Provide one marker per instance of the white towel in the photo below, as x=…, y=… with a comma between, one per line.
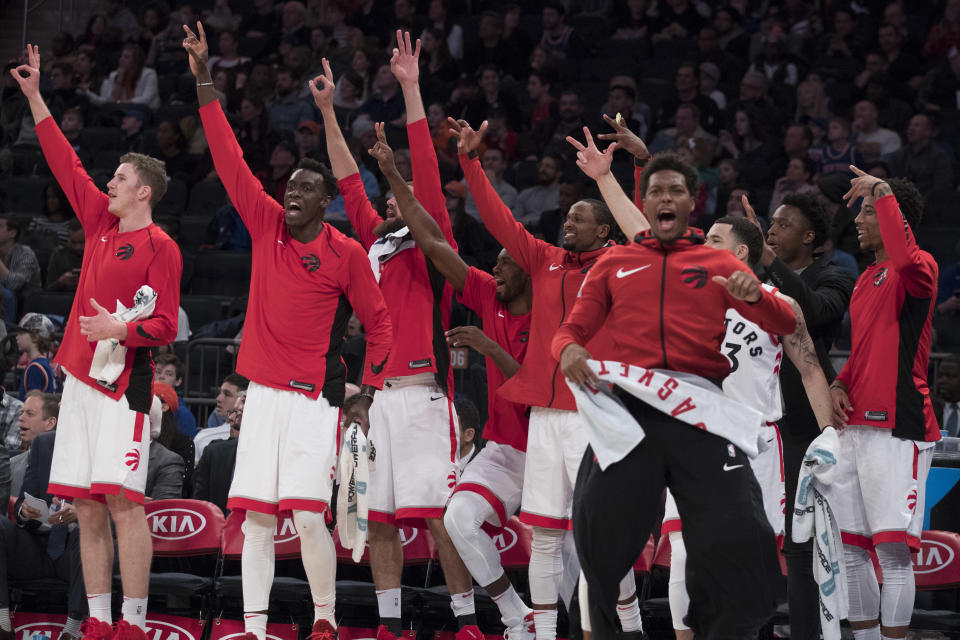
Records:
x=387, y=247
x=357, y=457
x=813, y=518
x=110, y=357
x=613, y=432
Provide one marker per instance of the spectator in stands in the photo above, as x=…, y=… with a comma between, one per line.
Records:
x=940, y=87
x=839, y=153
x=263, y=23
x=307, y=139
x=10, y=409
x=796, y=141
x=72, y=126
x=34, y=341
x=710, y=82
x=336, y=209
x=470, y=431
x=439, y=19
x=171, y=147
x=229, y=57
x=32, y=550
x=217, y=427
x=500, y=135
x=286, y=109
x=39, y=415
x=559, y=39
x=515, y=38
x=293, y=25
x=543, y=105
x=876, y=62
x=132, y=128
x=169, y=370
x=774, y=65
x=797, y=179
x=19, y=269
x=386, y=103
x=360, y=65
x=491, y=48
x=282, y=161
x=686, y=125
x=759, y=160
x=872, y=140
x=946, y=402
x=86, y=74
x=921, y=161
x=945, y=33
x=679, y=19
x=437, y=67
x=902, y=66
x=552, y=134
x=492, y=98
x=95, y=32
x=63, y=95
x=165, y=473
x=494, y=163
x=130, y=83
x=687, y=90
x=533, y=201
x=49, y=230
x=63, y=270
x=632, y=21
x=622, y=99
x=214, y=472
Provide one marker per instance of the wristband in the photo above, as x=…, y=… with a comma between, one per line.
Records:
x=205, y=84
x=637, y=162
x=472, y=154
x=873, y=189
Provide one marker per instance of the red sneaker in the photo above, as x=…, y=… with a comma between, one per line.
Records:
x=322, y=630
x=470, y=632
x=93, y=629
x=385, y=634
x=249, y=635
x=126, y=631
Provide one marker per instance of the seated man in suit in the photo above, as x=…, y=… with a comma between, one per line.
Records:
x=211, y=480
x=31, y=549
x=39, y=415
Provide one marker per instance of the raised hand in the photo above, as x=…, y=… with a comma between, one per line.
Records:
x=322, y=87
x=625, y=139
x=405, y=63
x=28, y=75
x=742, y=285
x=590, y=159
x=467, y=139
x=196, y=46
x=382, y=151
x=865, y=185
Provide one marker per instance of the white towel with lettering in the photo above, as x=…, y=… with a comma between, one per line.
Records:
x=387, y=247
x=110, y=357
x=356, y=461
x=813, y=518
x=614, y=433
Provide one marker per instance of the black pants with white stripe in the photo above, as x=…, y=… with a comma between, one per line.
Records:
x=733, y=573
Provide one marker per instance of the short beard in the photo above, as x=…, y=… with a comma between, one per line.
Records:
x=388, y=226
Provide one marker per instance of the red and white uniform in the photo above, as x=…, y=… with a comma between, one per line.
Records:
x=104, y=432
x=885, y=454
x=301, y=297
x=557, y=434
x=496, y=473
x=412, y=421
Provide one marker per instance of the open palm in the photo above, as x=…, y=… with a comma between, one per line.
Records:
x=405, y=63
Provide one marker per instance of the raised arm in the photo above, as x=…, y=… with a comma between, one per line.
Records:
x=245, y=191
x=88, y=201
x=497, y=217
x=359, y=210
x=630, y=142
x=597, y=166
x=799, y=348
x=424, y=229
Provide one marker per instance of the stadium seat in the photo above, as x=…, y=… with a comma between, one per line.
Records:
x=23, y=195
x=936, y=567
x=174, y=201
x=186, y=543
x=55, y=303
x=193, y=231
x=206, y=198
x=106, y=160
x=102, y=137
x=201, y=310
x=418, y=548
x=222, y=273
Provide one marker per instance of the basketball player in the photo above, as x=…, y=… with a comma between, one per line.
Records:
x=412, y=421
x=885, y=453
x=303, y=269
x=100, y=457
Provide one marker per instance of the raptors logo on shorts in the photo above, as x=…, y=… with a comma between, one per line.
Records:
x=132, y=459
x=912, y=500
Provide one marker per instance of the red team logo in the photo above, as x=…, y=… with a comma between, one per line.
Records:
x=880, y=277
x=912, y=500
x=132, y=459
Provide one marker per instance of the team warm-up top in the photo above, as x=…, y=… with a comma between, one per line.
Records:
x=507, y=422
x=556, y=275
x=890, y=319
x=301, y=295
x=417, y=296
x=661, y=308
x=115, y=265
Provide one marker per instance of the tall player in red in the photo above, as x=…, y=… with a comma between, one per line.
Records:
x=882, y=392
x=490, y=488
x=100, y=458
x=412, y=421
x=303, y=269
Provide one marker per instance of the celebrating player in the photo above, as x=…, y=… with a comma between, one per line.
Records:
x=412, y=422
x=734, y=575
x=100, y=457
x=302, y=268
x=885, y=453
x=489, y=490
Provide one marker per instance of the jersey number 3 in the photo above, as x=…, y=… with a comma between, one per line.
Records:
x=732, y=349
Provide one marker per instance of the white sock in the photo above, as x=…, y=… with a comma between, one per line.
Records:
x=99, y=605
x=462, y=604
x=255, y=623
x=72, y=627
x=545, y=624
x=319, y=562
x=873, y=633
x=388, y=603
x=512, y=608
x=5, y=619
x=134, y=611
x=629, y=613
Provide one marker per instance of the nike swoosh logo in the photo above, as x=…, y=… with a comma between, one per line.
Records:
x=103, y=238
x=554, y=267
x=377, y=368
x=621, y=273
x=142, y=332
x=500, y=314
x=731, y=467
x=438, y=397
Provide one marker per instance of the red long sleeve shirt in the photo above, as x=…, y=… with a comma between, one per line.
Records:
x=115, y=265
x=556, y=275
x=661, y=308
x=506, y=422
x=417, y=295
x=301, y=294
x=891, y=311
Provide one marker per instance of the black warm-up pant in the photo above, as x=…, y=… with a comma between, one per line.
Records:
x=733, y=573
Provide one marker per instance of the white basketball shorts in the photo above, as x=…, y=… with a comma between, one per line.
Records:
x=496, y=474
